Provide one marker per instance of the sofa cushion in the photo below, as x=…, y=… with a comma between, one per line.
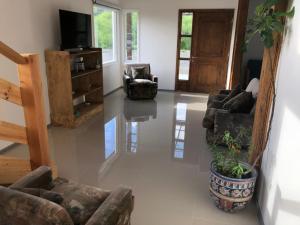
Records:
x=238, y=124
x=209, y=118
x=253, y=87
x=242, y=103
x=42, y=193
x=213, y=98
x=80, y=201
x=138, y=72
x=216, y=104
x=253, y=110
x=237, y=90
x=142, y=81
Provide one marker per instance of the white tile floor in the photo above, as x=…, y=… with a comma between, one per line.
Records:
x=156, y=147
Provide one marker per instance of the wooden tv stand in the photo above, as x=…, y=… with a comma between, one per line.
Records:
x=66, y=87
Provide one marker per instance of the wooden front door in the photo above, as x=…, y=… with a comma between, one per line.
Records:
x=203, y=67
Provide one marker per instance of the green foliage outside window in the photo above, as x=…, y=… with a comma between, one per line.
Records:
x=134, y=21
x=103, y=21
x=186, y=29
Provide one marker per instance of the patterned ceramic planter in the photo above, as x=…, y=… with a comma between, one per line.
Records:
x=231, y=194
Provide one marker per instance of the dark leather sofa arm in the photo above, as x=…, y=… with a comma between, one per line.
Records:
x=116, y=209
x=224, y=92
x=38, y=178
x=126, y=82
x=153, y=78
x=19, y=208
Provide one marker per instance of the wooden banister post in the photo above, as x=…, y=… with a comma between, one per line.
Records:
x=33, y=104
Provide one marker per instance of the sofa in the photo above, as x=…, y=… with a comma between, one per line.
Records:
x=139, y=83
x=233, y=111
x=37, y=199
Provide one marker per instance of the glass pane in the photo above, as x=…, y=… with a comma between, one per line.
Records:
x=131, y=36
x=184, y=69
x=187, y=24
x=185, y=47
x=181, y=111
x=104, y=25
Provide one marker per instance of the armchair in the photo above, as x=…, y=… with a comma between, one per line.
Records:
x=80, y=205
x=144, y=87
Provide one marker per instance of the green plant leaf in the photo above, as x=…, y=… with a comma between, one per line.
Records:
x=265, y=22
x=259, y=9
x=277, y=26
x=289, y=14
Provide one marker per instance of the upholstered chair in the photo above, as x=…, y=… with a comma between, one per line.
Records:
x=139, y=83
x=38, y=199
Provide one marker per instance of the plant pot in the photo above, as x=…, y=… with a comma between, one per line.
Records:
x=230, y=194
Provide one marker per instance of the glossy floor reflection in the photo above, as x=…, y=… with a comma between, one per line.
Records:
x=156, y=147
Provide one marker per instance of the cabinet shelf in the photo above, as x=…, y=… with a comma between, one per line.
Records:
x=65, y=86
x=84, y=73
x=82, y=53
x=86, y=111
x=82, y=93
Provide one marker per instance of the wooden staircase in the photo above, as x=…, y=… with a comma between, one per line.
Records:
x=28, y=95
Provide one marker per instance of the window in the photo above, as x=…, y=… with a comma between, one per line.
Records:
x=105, y=31
x=185, y=39
x=110, y=138
x=131, y=36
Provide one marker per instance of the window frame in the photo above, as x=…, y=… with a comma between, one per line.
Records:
x=183, y=84
x=124, y=48
x=115, y=29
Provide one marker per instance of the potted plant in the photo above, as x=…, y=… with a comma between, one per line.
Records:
x=232, y=182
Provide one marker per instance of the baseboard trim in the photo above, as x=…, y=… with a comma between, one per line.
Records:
x=166, y=90
x=259, y=214
x=113, y=91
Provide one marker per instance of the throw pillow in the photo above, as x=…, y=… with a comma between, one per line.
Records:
x=138, y=72
x=209, y=118
x=253, y=87
x=45, y=194
x=242, y=103
x=233, y=93
x=80, y=201
x=253, y=110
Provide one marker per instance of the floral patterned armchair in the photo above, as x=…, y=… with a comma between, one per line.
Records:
x=38, y=199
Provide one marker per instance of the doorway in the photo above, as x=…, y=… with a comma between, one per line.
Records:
x=203, y=48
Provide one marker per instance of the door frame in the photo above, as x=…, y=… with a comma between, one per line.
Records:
x=180, y=83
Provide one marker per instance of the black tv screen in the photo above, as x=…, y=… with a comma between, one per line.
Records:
x=76, y=30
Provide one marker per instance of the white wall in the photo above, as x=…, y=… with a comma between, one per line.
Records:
x=33, y=26
x=158, y=32
x=279, y=192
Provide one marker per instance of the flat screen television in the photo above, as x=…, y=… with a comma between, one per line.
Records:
x=76, y=30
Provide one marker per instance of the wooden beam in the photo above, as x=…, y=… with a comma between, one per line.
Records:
x=241, y=26
x=12, y=169
x=10, y=92
x=11, y=54
x=12, y=132
x=33, y=104
x=266, y=93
